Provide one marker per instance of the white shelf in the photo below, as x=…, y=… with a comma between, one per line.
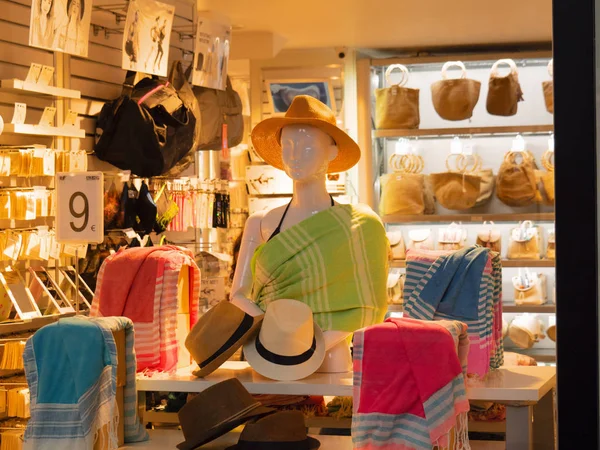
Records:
x=401, y=264
x=37, y=130
x=23, y=88
x=434, y=132
x=508, y=384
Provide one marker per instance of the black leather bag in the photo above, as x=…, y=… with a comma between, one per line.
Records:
x=150, y=127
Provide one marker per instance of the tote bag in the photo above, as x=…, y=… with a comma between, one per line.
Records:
x=397, y=107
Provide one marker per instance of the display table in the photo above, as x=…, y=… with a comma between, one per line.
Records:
x=526, y=391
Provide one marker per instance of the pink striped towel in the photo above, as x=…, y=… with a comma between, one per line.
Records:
x=414, y=399
x=141, y=284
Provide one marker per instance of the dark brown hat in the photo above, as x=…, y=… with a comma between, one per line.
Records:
x=282, y=430
x=216, y=411
x=218, y=334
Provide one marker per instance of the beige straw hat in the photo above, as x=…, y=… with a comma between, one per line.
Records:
x=307, y=110
x=289, y=345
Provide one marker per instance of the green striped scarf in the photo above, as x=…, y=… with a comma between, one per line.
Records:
x=335, y=261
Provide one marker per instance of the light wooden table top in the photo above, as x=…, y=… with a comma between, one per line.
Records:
x=508, y=384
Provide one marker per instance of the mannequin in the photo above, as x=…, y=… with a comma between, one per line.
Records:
x=307, y=152
x=332, y=257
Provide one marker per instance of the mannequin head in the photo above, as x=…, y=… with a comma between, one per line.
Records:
x=306, y=151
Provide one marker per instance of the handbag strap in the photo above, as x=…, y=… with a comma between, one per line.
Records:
x=548, y=160
x=508, y=62
x=399, y=67
x=551, y=68
x=458, y=64
x=128, y=83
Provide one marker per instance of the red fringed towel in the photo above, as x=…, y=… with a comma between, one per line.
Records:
x=409, y=385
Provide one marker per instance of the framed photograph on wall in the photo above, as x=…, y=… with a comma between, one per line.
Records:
x=282, y=92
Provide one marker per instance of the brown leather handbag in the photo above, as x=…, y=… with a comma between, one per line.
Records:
x=455, y=99
x=548, y=87
x=396, y=106
x=504, y=92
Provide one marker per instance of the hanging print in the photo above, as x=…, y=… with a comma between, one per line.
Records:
x=146, y=37
x=211, y=54
x=61, y=25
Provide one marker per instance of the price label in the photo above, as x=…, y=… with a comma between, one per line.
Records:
x=48, y=116
x=46, y=75
x=19, y=114
x=34, y=73
x=79, y=213
x=71, y=119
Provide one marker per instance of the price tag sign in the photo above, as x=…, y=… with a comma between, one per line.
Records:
x=48, y=116
x=80, y=208
x=46, y=75
x=71, y=119
x=34, y=73
x=19, y=114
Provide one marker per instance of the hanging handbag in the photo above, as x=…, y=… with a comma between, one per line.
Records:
x=547, y=177
x=395, y=288
x=504, y=92
x=529, y=288
x=548, y=88
x=455, y=99
x=516, y=183
x=452, y=238
x=486, y=186
x=149, y=128
x=221, y=117
x=551, y=247
x=525, y=330
x=455, y=189
x=396, y=107
x=490, y=237
x=420, y=239
x=397, y=245
x=404, y=190
x=525, y=241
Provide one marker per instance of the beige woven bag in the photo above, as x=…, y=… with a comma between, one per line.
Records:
x=396, y=106
x=530, y=288
x=489, y=237
x=516, y=184
x=404, y=190
x=456, y=189
x=455, y=99
x=397, y=245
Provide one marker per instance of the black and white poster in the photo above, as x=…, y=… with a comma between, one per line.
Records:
x=61, y=25
x=211, y=54
x=146, y=37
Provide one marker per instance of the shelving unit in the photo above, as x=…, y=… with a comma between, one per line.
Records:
x=548, y=308
x=401, y=264
x=465, y=131
x=38, y=130
x=540, y=354
x=466, y=218
x=22, y=87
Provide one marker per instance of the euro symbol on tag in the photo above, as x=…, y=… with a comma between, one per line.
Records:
x=93, y=227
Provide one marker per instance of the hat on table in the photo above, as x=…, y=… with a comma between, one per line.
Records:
x=284, y=430
x=218, y=334
x=289, y=345
x=215, y=411
x=305, y=110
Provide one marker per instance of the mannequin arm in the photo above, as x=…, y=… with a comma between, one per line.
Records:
x=241, y=287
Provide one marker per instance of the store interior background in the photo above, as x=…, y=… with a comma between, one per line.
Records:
x=275, y=40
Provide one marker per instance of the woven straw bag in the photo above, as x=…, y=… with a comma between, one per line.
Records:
x=525, y=241
x=452, y=238
x=525, y=331
x=456, y=189
x=547, y=177
x=516, y=183
x=551, y=247
x=504, y=92
x=420, y=239
x=455, y=99
x=404, y=191
x=395, y=288
x=397, y=106
x=548, y=87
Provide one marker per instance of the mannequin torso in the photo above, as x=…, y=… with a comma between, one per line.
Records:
x=306, y=155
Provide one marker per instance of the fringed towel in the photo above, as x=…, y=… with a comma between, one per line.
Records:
x=465, y=285
x=409, y=386
x=71, y=370
x=335, y=261
x=141, y=284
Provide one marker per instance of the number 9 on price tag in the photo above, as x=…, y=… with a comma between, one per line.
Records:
x=79, y=209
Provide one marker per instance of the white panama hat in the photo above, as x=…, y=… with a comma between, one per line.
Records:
x=289, y=345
